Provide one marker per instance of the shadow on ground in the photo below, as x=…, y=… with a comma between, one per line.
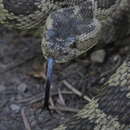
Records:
x=21, y=83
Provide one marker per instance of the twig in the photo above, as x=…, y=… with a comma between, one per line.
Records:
x=52, y=105
x=65, y=109
x=25, y=120
x=60, y=108
x=39, y=97
x=77, y=92
x=61, y=99
x=51, y=101
x=18, y=64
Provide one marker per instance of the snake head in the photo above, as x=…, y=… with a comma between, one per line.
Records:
x=69, y=32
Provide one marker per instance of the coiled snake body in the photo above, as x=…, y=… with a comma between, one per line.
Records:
x=65, y=39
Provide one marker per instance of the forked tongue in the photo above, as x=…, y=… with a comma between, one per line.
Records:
x=50, y=63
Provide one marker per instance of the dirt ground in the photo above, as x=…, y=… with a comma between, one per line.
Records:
x=22, y=79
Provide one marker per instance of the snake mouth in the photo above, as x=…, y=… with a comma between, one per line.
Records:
x=68, y=34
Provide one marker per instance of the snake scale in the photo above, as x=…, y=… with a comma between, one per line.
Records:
x=105, y=21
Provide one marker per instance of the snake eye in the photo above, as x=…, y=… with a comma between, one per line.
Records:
x=72, y=42
x=73, y=45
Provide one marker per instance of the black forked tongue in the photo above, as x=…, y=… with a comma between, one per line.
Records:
x=50, y=63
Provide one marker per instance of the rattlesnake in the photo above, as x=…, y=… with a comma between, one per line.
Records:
x=110, y=110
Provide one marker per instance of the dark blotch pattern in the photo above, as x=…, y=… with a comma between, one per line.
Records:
x=78, y=24
x=105, y=4
x=21, y=7
x=114, y=102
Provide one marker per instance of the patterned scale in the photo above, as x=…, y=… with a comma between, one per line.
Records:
x=110, y=110
x=65, y=27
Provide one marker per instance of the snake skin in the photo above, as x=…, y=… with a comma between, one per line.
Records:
x=80, y=29
x=68, y=41
x=72, y=31
x=109, y=22
x=111, y=109
x=57, y=39
x=25, y=14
